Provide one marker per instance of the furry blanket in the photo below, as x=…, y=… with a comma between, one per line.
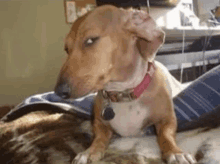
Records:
x=53, y=138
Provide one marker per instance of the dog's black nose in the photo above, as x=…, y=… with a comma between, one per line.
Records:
x=63, y=90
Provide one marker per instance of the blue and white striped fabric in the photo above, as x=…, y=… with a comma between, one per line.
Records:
x=81, y=106
x=201, y=97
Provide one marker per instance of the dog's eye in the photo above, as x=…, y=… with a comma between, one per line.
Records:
x=91, y=41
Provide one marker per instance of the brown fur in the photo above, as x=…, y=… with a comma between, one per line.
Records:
x=119, y=36
x=5, y=109
x=41, y=137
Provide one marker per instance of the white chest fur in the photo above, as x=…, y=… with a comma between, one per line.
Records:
x=129, y=117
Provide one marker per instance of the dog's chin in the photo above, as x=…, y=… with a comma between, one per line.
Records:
x=82, y=94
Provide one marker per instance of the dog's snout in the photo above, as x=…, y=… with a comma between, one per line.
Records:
x=63, y=90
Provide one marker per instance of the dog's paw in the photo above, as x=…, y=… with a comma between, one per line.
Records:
x=81, y=158
x=181, y=158
x=87, y=157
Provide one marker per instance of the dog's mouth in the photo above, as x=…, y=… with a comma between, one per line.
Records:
x=92, y=91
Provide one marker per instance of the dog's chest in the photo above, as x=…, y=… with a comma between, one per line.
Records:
x=129, y=118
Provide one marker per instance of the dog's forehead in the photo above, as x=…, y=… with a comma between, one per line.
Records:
x=97, y=19
x=76, y=26
x=104, y=12
x=94, y=23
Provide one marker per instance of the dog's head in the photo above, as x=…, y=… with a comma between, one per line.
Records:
x=105, y=45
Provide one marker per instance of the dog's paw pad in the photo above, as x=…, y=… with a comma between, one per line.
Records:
x=181, y=159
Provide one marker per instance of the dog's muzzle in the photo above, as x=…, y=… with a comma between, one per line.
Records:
x=63, y=90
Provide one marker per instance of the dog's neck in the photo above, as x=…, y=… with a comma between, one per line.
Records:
x=132, y=89
x=141, y=68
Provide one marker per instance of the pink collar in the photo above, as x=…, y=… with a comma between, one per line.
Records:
x=146, y=81
x=136, y=92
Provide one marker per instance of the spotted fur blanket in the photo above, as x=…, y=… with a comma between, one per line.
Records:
x=55, y=138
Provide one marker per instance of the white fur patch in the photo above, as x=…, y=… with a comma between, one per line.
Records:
x=129, y=117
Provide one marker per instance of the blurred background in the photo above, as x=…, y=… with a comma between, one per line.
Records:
x=32, y=34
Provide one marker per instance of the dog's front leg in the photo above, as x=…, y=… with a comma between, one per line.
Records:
x=96, y=151
x=171, y=153
x=102, y=136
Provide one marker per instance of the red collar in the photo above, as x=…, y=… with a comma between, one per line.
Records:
x=136, y=92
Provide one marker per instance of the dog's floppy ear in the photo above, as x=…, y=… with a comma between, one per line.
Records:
x=150, y=37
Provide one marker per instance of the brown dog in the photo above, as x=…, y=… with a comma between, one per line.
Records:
x=112, y=51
